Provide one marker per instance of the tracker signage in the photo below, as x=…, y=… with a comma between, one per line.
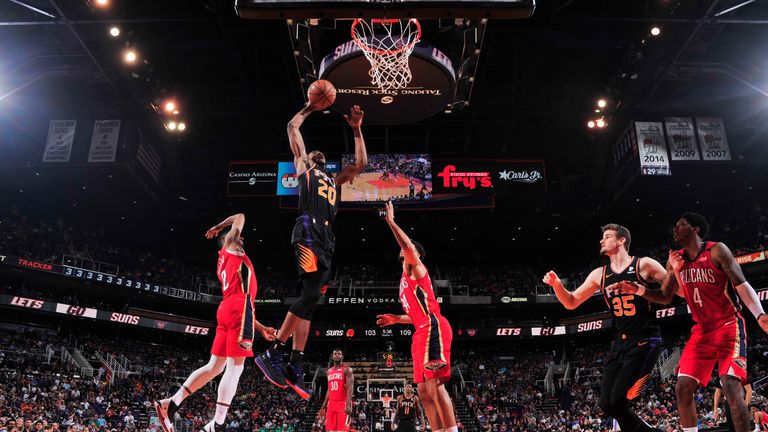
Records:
x=252, y=178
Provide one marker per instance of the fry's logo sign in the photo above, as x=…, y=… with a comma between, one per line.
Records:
x=468, y=180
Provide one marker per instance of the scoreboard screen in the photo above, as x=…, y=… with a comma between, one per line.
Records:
x=281, y=9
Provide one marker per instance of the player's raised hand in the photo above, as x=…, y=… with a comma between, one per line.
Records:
x=675, y=260
x=355, y=117
x=269, y=333
x=386, y=320
x=212, y=232
x=551, y=278
x=389, y=209
x=763, y=322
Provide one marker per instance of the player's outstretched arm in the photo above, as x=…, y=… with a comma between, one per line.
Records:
x=300, y=160
x=670, y=282
x=386, y=320
x=269, y=333
x=410, y=255
x=355, y=121
x=572, y=300
x=723, y=257
x=350, y=379
x=236, y=221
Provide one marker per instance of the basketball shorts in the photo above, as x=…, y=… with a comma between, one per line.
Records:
x=431, y=349
x=335, y=417
x=725, y=346
x=406, y=424
x=235, y=325
x=628, y=367
x=314, y=243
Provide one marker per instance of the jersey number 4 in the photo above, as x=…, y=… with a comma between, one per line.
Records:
x=697, y=297
x=327, y=191
x=623, y=306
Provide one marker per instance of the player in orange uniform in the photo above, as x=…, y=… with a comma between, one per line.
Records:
x=431, y=347
x=712, y=283
x=337, y=406
x=236, y=322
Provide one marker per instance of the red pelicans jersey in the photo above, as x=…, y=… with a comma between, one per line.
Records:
x=236, y=274
x=708, y=291
x=337, y=383
x=418, y=299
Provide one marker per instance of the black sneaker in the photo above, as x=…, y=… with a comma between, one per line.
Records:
x=212, y=426
x=271, y=364
x=294, y=376
x=165, y=413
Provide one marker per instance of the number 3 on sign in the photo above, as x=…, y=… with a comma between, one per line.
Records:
x=697, y=297
x=327, y=192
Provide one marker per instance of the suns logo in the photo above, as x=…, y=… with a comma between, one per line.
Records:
x=289, y=181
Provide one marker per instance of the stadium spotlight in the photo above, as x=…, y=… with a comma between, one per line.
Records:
x=600, y=123
x=602, y=103
x=591, y=124
x=171, y=125
x=130, y=56
x=655, y=31
x=170, y=106
x=114, y=31
x=102, y=3
x=182, y=126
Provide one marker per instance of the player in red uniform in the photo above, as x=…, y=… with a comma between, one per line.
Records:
x=431, y=347
x=236, y=322
x=760, y=417
x=337, y=406
x=712, y=282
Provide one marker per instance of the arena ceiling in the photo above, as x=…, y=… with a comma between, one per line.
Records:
x=536, y=86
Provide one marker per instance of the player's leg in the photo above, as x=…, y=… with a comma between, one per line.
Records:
x=430, y=409
x=694, y=369
x=610, y=373
x=166, y=408
x=227, y=390
x=631, y=381
x=443, y=405
x=732, y=368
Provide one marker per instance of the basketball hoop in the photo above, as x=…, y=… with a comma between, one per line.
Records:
x=387, y=44
x=385, y=400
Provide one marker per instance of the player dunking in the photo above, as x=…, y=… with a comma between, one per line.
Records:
x=337, y=406
x=314, y=243
x=235, y=323
x=637, y=341
x=431, y=347
x=407, y=407
x=707, y=274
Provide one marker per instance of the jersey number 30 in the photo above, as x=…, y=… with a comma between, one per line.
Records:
x=327, y=192
x=334, y=385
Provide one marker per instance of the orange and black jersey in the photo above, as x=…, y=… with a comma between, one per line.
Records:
x=632, y=315
x=317, y=194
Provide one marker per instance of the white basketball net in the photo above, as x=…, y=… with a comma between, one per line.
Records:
x=387, y=44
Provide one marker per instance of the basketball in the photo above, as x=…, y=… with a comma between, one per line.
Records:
x=321, y=94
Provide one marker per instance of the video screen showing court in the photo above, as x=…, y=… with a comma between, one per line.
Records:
x=396, y=177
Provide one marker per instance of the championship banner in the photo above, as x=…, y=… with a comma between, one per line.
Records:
x=61, y=135
x=682, y=139
x=287, y=181
x=652, y=148
x=252, y=178
x=714, y=143
x=104, y=141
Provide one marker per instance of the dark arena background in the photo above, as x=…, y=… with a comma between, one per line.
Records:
x=130, y=127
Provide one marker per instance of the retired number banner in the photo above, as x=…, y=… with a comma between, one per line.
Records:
x=682, y=139
x=652, y=148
